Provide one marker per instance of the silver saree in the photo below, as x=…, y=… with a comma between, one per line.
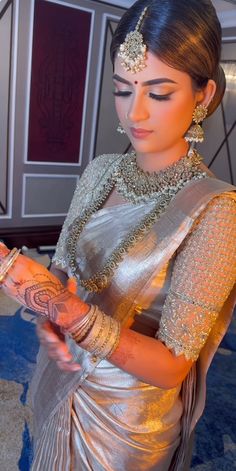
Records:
x=103, y=418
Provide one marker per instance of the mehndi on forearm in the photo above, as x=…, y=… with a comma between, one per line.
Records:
x=51, y=299
x=33, y=286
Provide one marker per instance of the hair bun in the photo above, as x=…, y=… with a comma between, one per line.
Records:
x=163, y=30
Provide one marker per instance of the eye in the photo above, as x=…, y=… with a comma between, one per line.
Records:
x=160, y=97
x=125, y=93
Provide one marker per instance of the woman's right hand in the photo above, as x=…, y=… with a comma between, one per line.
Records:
x=53, y=340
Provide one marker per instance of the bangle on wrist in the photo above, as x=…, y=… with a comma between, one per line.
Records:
x=79, y=330
x=7, y=263
x=97, y=333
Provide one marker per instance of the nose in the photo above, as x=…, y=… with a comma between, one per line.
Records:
x=138, y=111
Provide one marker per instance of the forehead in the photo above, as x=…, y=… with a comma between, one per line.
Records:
x=155, y=68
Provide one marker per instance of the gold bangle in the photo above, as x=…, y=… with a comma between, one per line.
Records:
x=102, y=347
x=91, y=345
x=81, y=333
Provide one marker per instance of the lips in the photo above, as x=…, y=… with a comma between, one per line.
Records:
x=139, y=133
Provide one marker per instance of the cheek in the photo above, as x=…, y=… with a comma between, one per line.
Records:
x=121, y=109
x=174, y=115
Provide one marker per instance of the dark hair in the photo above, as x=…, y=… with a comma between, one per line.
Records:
x=185, y=34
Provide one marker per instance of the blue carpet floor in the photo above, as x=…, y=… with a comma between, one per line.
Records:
x=215, y=444
x=215, y=441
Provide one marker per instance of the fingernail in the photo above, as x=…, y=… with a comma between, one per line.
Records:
x=75, y=367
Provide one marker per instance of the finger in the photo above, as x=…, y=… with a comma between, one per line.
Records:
x=41, y=324
x=68, y=366
x=49, y=337
x=59, y=357
x=49, y=332
x=47, y=326
x=72, y=285
x=56, y=348
x=60, y=351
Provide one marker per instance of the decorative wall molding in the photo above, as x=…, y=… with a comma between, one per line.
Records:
x=228, y=38
x=107, y=120
x=228, y=18
x=101, y=59
x=53, y=163
x=43, y=179
x=118, y=3
x=8, y=138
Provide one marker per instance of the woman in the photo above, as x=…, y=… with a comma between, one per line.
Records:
x=150, y=239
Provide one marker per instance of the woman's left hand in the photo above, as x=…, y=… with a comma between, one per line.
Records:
x=53, y=340
x=33, y=286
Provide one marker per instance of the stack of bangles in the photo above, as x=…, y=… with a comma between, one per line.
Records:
x=7, y=263
x=97, y=333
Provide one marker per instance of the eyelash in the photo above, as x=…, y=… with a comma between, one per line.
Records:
x=152, y=95
x=160, y=97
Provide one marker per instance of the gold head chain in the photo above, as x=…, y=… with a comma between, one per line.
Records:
x=133, y=51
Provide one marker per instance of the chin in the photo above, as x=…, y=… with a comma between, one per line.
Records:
x=144, y=147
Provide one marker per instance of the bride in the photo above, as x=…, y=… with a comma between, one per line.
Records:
x=142, y=285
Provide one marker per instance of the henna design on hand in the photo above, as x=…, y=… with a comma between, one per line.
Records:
x=43, y=296
x=35, y=287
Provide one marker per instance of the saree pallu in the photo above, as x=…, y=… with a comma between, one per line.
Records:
x=111, y=420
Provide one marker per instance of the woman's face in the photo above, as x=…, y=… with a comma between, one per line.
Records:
x=154, y=106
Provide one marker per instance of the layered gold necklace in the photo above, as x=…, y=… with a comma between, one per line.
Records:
x=135, y=186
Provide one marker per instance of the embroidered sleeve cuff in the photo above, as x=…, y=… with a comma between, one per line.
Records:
x=178, y=348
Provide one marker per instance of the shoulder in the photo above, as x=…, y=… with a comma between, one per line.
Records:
x=100, y=164
x=223, y=204
x=217, y=219
x=94, y=178
x=212, y=236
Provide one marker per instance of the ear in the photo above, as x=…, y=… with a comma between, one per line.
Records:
x=206, y=95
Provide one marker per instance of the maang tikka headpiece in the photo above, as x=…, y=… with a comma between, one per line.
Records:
x=133, y=50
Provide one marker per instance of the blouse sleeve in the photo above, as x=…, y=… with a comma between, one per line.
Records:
x=203, y=276
x=59, y=257
x=81, y=198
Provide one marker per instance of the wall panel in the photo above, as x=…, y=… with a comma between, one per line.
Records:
x=47, y=195
x=58, y=78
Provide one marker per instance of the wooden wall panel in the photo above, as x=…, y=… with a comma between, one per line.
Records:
x=59, y=67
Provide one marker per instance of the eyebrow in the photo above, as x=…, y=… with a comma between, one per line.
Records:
x=149, y=82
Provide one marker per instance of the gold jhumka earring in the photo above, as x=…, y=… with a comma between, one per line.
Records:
x=196, y=133
x=133, y=50
x=120, y=129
